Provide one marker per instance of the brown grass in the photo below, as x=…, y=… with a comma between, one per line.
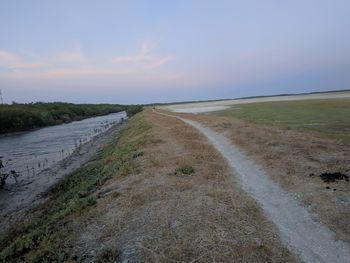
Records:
x=290, y=157
x=161, y=217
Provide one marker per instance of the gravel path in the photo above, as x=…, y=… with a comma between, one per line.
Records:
x=310, y=240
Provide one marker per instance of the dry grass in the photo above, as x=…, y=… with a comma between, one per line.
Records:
x=290, y=157
x=158, y=216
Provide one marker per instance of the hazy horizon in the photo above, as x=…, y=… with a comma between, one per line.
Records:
x=156, y=51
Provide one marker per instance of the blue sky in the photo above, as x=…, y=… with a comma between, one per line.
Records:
x=158, y=51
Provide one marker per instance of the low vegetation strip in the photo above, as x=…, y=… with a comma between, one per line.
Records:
x=329, y=118
x=21, y=117
x=46, y=236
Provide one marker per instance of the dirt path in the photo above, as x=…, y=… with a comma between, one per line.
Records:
x=310, y=240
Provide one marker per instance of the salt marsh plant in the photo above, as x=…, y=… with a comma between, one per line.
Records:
x=5, y=175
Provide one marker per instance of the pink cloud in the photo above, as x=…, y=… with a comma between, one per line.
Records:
x=143, y=59
x=47, y=74
x=14, y=62
x=143, y=67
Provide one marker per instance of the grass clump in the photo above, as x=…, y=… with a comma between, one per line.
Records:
x=138, y=154
x=186, y=169
x=107, y=255
x=47, y=237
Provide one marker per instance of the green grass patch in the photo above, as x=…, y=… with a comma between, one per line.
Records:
x=329, y=118
x=186, y=169
x=46, y=238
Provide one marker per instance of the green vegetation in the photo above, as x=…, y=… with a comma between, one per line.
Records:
x=133, y=109
x=48, y=235
x=328, y=118
x=186, y=169
x=21, y=117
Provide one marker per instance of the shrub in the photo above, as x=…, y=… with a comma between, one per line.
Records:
x=184, y=170
x=22, y=117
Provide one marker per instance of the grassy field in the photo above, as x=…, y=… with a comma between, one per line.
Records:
x=329, y=118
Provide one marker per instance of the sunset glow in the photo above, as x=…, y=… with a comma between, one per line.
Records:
x=162, y=51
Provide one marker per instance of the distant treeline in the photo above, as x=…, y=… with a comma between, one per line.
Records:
x=22, y=117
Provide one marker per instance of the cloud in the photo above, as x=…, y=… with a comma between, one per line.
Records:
x=72, y=57
x=10, y=61
x=54, y=73
x=141, y=68
x=143, y=59
x=144, y=55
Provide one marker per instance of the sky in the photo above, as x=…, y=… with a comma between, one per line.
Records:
x=162, y=51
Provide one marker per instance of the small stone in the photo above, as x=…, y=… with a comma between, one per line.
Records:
x=174, y=224
x=258, y=242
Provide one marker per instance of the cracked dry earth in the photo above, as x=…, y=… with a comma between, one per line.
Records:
x=156, y=215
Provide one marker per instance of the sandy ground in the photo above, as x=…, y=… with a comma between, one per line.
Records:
x=19, y=198
x=159, y=216
x=310, y=240
x=201, y=107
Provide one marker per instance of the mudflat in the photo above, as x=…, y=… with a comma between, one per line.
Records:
x=17, y=199
x=200, y=107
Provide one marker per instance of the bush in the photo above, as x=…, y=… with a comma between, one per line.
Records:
x=23, y=117
x=133, y=109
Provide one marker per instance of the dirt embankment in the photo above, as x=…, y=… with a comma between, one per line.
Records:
x=20, y=198
x=167, y=213
x=296, y=160
x=168, y=196
x=158, y=193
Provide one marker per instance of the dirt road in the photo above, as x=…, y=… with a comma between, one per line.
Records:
x=309, y=239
